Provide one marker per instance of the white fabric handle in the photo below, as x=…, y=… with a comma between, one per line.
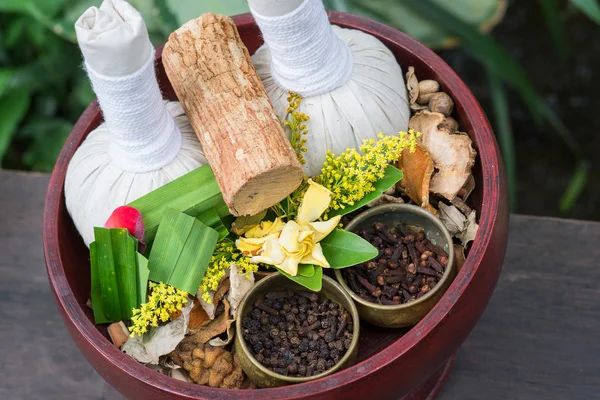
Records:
x=119, y=60
x=307, y=56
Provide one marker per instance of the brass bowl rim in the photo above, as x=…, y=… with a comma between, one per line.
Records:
x=392, y=207
x=291, y=379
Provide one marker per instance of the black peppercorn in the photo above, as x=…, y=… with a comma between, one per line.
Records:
x=295, y=334
x=301, y=370
x=329, y=336
x=293, y=369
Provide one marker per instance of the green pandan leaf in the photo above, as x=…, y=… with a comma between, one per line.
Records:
x=181, y=251
x=344, y=249
x=114, y=272
x=192, y=193
x=313, y=283
x=392, y=176
x=307, y=270
x=211, y=218
x=142, y=278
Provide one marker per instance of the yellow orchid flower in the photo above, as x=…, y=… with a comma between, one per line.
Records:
x=296, y=242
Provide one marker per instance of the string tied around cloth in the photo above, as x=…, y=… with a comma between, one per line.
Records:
x=307, y=56
x=144, y=136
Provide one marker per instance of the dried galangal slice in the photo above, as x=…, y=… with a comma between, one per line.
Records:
x=453, y=154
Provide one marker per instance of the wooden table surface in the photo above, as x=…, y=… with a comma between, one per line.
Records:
x=539, y=337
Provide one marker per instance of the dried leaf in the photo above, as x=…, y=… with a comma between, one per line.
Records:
x=452, y=219
x=246, y=222
x=160, y=340
x=239, y=286
x=210, y=308
x=417, y=168
x=216, y=327
x=470, y=230
x=180, y=375
x=198, y=316
x=459, y=256
x=461, y=205
x=218, y=342
x=412, y=85
x=468, y=188
x=452, y=154
x=221, y=291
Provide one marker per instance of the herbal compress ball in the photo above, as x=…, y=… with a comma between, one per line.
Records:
x=352, y=84
x=144, y=142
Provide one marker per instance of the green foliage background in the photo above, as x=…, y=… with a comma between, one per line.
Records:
x=43, y=88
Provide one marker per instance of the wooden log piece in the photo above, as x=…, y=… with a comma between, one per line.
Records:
x=242, y=138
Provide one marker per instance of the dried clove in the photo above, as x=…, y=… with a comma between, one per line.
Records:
x=408, y=266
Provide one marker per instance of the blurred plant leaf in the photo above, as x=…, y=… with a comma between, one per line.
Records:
x=14, y=30
x=12, y=111
x=168, y=20
x=338, y=5
x=499, y=62
x=185, y=10
x=591, y=8
x=555, y=25
x=504, y=133
x=483, y=14
x=6, y=76
x=575, y=187
x=482, y=48
x=47, y=138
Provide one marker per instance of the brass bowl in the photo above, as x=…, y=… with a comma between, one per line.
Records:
x=417, y=219
x=260, y=374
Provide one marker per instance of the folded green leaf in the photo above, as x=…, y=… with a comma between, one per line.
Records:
x=181, y=251
x=313, y=283
x=307, y=270
x=344, y=249
x=211, y=219
x=192, y=194
x=115, y=277
x=392, y=176
x=142, y=278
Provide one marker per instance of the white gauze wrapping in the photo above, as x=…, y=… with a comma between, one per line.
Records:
x=352, y=84
x=145, y=142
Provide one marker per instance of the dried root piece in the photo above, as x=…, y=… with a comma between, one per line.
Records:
x=208, y=365
x=417, y=168
x=452, y=154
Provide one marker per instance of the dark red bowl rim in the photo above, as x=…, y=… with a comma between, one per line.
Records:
x=489, y=162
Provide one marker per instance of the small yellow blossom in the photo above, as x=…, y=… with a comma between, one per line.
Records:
x=163, y=301
x=297, y=241
x=297, y=127
x=352, y=175
x=223, y=256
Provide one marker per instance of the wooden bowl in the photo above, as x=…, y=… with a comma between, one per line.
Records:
x=391, y=362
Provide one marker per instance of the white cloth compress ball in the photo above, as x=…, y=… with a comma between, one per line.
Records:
x=352, y=85
x=144, y=142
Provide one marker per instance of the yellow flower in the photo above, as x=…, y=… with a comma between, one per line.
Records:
x=296, y=242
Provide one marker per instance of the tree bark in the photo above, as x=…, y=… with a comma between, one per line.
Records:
x=242, y=138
